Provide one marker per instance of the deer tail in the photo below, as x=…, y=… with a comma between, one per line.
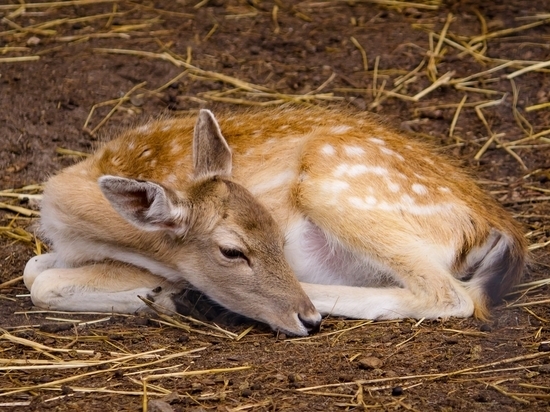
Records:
x=494, y=268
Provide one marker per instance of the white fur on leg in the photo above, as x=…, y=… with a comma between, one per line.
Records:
x=36, y=265
x=382, y=303
x=100, y=288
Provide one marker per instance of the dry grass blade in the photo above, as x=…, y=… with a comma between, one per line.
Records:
x=240, y=85
x=161, y=312
x=20, y=196
x=537, y=107
x=195, y=373
x=432, y=65
x=38, y=346
x=446, y=78
x=192, y=69
x=54, y=4
x=425, y=5
x=11, y=282
x=363, y=53
x=528, y=69
x=505, y=32
x=113, y=110
x=18, y=209
x=455, y=117
x=520, y=305
x=19, y=59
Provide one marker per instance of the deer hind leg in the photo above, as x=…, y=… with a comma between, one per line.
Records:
x=356, y=274
x=101, y=287
x=441, y=300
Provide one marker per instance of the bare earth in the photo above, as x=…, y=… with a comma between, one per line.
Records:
x=65, y=86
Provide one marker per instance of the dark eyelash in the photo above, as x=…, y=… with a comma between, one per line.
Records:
x=232, y=254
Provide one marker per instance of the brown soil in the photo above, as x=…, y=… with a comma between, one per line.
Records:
x=293, y=50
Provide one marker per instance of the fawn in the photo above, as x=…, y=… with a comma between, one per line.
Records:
x=289, y=214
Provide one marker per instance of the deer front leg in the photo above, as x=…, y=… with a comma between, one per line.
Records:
x=101, y=287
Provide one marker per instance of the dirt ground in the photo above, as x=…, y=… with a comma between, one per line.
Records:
x=65, y=85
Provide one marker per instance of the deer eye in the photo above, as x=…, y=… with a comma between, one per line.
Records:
x=232, y=254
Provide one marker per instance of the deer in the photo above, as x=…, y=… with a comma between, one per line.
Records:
x=281, y=215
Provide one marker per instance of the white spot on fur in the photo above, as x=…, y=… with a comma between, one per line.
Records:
x=334, y=186
x=354, y=150
x=405, y=205
x=377, y=140
x=370, y=200
x=419, y=189
x=172, y=179
x=340, y=129
x=131, y=146
x=345, y=169
x=166, y=127
x=444, y=189
x=175, y=146
x=146, y=152
x=328, y=150
x=394, y=187
x=391, y=152
x=146, y=128
x=276, y=181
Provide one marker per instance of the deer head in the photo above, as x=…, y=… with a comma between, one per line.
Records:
x=218, y=236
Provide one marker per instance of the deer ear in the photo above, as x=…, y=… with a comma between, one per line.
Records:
x=211, y=153
x=146, y=205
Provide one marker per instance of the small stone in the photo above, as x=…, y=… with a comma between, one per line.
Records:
x=544, y=368
x=481, y=397
x=397, y=391
x=138, y=101
x=65, y=390
x=33, y=41
x=56, y=327
x=370, y=362
x=183, y=339
x=485, y=328
x=157, y=405
x=246, y=392
x=544, y=347
x=411, y=11
x=141, y=321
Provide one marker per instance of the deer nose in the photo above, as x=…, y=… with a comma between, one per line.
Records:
x=312, y=323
